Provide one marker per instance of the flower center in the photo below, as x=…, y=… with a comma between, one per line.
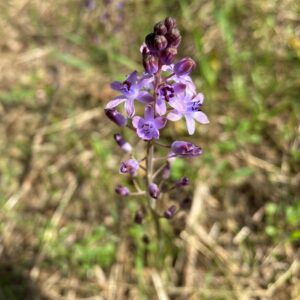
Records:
x=166, y=92
x=194, y=106
x=127, y=85
x=147, y=127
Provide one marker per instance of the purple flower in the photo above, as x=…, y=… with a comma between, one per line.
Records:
x=190, y=108
x=122, y=143
x=170, y=212
x=148, y=128
x=181, y=78
x=116, y=117
x=184, y=181
x=129, y=166
x=184, y=66
x=185, y=149
x=131, y=90
x=122, y=190
x=154, y=191
x=165, y=93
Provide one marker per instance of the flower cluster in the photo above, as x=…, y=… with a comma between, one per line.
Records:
x=166, y=93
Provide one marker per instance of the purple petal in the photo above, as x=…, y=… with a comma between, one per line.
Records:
x=136, y=121
x=117, y=86
x=145, y=97
x=115, y=102
x=129, y=107
x=174, y=116
x=132, y=77
x=160, y=122
x=199, y=97
x=190, y=124
x=179, y=88
x=201, y=117
x=160, y=107
x=149, y=113
x=146, y=82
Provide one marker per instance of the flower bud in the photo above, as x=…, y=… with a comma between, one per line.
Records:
x=185, y=149
x=89, y=4
x=150, y=63
x=122, y=143
x=184, y=66
x=154, y=191
x=129, y=166
x=122, y=190
x=170, y=212
x=170, y=23
x=184, y=181
x=173, y=38
x=168, y=55
x=160, y=42
x=116, y=117
x=149, y=40
x=139, y=216
x=160, y=28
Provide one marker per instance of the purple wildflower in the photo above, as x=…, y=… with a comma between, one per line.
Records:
x=154, y=191
x=116, y=117
x=184, y=66
x=131, y=90
x=122, y=190
x=185, y=149
x=129, y=166
x=122, y=143
x=184, y=181
x=190, y=108
x=170, y=212
x=148, y=128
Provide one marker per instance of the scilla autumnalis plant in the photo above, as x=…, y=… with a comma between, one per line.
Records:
x=166, y=93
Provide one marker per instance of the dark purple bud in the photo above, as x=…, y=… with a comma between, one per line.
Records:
x=160, y=28
x=122, y=143
x=122, y=190
x=150, y=63
x=186, y=203
x=116, y=117
x=184, y=181
x=168, y=55
x=130, y=166
x=160, y=42
x=139, y=216
x=173, y=37
x=146, y=239
x=154, y=191
x=184, y=67
x=185, y=149
x=170, y=212
x=166, y=171
x=170, y=23
x=149, y=40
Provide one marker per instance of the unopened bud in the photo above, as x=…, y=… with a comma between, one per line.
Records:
x=170, y=23
x=139, y=216
x=166, y=171
x=185, y=149
x=160, y=42
x=184, y=181
x=116, y=117
x=149, y=40
x=150, y=63
x=174, y=38
x=154, y=191
x=184, y=66
x=170, y=212
x=160, y=28
x=130, y=166
x=122, y=143
x=168, y=55
x=122, y=190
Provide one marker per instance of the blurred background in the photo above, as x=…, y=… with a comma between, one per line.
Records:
x=64, y=234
